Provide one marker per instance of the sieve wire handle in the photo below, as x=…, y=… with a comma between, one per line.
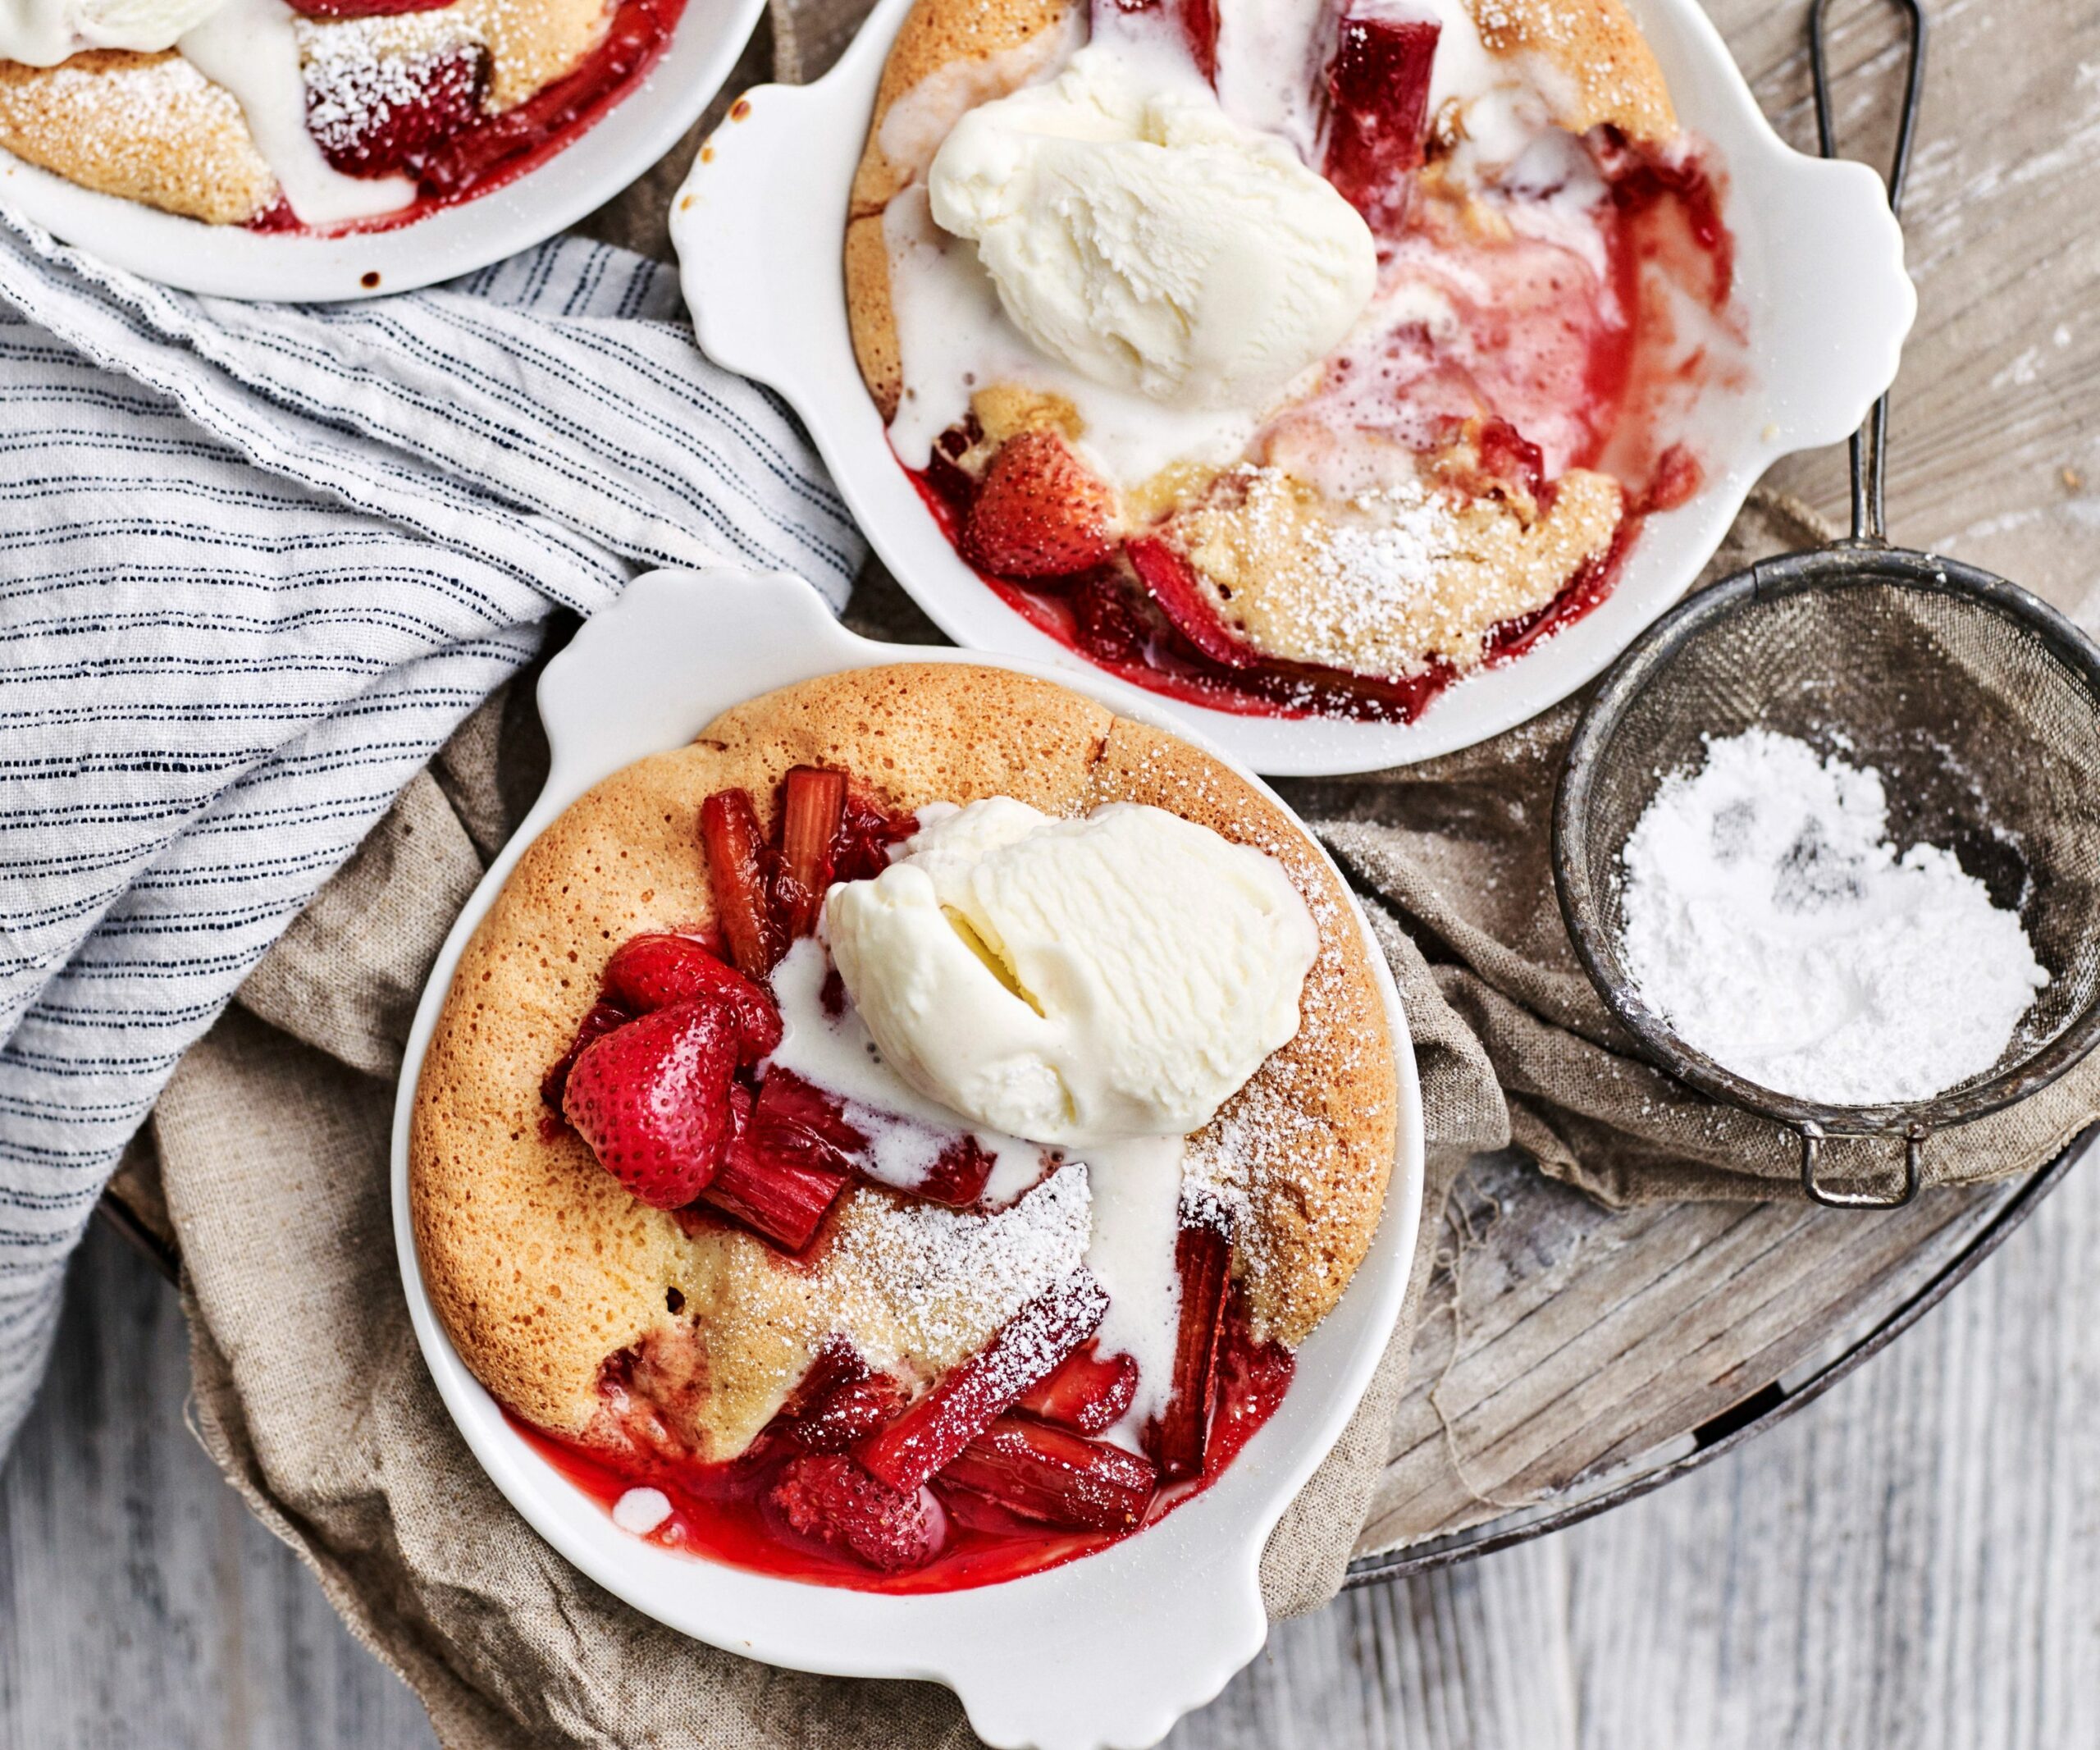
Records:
x=1813, y=1137
x=1870, y=443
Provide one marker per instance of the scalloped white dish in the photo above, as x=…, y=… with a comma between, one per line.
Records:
x=1109, y=1663
x=760, y=229
x=231, y=260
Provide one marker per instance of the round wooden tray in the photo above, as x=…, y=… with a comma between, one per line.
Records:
x=1572, y=1357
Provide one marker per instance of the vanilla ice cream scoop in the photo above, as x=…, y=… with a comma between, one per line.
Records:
x=43, y=33
x=1075, y=982
x=1139, y=234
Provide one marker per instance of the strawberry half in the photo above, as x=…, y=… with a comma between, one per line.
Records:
x=1377, y=91
x=829, y=1497
x=740, y=871
x=1086, y=1390
x=652, y=1099
x=1172, y=581
x=1055, y=1476
x=1039, y=512
x=812, y=806
x=1176, y=1439
x=963, y=1403
x=650, y=972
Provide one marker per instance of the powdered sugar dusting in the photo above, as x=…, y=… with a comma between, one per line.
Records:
x=1771, y=922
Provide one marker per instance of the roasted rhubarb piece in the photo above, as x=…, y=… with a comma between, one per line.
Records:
x=783, y=1195
x=1056, y=1476
x=1171, y=582
x=812, y=805
x=599, y=1019
x=850, y=1412
x=827, y=1496
x=865, y=833
x=1377, y=88
x=1197, y=18
x=740, y=869
x=962, y=1404
x=652, y=1098
x=1087, y=1391
x=800, y=1118
x=378, y=115
x=650, y=972
x=1039, y=512
x=1202, y=1258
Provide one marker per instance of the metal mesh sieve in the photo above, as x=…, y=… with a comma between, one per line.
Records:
x=1979, y=705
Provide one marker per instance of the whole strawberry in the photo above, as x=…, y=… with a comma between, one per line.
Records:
x=1039, y=512
x=655, y=971
x=652, y=1099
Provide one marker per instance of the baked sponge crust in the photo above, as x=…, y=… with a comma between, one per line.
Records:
x=542, y=1267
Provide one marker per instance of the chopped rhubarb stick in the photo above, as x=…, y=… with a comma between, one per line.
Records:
x=784, y=1097
x=1199, y=27
x=813, y=802
x=828, y=1497
x=836, y=1367
x=962, y=1404
x=1171, y=582
x=599, y=1019
x=861, y=850
x=737, y=856
x=650, y=972
x=781, y=1197
x=1052, y=1474
x=850, y=1412
x=959, y=1175
x=1377, y=109
x=1203, y=1259
x=1088, y=1390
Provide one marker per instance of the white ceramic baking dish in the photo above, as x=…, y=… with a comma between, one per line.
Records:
x=231, y=260
x=1109, y=1650
x=760, y=224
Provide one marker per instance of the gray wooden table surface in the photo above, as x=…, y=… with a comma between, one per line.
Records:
x=1913, y=1560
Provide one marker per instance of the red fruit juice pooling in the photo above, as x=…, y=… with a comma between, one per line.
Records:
x=720, y=1511
x=1663, y=214
x=493, y=150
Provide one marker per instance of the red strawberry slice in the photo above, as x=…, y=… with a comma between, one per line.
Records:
x=1055, y=1476
x=652, y=1099
x=1109, y=619
x=1176, y=1439
x=1087, y=1391
x=1378, y=89
x=962, y=1404
x=812, y=805
x=740, y=869
x=797, y=1117
x=1171, y=582
x=599, y=1019
x=781, y=1193
x=1039, y=512
x=376, y=116
x=828, y=1497
x=650, y=972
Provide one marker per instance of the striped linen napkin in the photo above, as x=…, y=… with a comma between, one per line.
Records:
x=256, y=563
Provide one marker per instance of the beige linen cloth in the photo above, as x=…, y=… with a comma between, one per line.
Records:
x=312, y=1397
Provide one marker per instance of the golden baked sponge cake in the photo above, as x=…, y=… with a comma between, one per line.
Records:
x=318, y=114
x=1289, y=357
x=802, y=1136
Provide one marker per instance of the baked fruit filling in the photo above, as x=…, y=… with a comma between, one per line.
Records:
x=809, y=1040
x=284, y=114
x=1290, y=356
